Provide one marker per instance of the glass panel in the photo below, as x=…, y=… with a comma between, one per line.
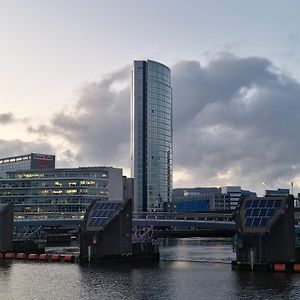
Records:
x=271, y=212
x=248, y=222
x=248, y=212
x=256, y=222
x=263, y=212
x=248, y=203
x=263, y=222
x=270, y=203
x=277, y=203
x=262, y=203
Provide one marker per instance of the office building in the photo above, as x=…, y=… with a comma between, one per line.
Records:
x=198, y=199
x=151, y=136
x=202, y=199
x=277, y=193
x=128, y=188
x=232, y=195
x=25, y=162
x=59, y=193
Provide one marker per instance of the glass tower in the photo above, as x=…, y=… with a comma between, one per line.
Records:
x=151, y=136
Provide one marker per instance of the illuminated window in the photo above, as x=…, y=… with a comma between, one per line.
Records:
x=57, y=192
x=71, y=191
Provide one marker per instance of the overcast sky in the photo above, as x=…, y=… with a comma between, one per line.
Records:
x=65, y=76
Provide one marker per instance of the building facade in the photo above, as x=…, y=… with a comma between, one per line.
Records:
x=199, y=199
x=59, y=193
x=277, y=193
x=208, y=198
x=232, y=195
x=151, y=136
x=25, y=162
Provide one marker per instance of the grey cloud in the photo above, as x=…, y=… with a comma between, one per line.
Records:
x=236, y=121
x=100, y=124
x=236, y=117
x=16, y=147
x=7, y=118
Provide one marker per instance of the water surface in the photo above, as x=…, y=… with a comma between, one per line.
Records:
x=194, y=268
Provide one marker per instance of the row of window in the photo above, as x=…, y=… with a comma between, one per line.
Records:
x=51, y=209
x=53, y=192
x=47, y=201
x=33, y=185
x=156, y=98
x=59, y=175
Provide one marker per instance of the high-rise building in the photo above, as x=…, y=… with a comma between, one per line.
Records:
x=151, y=136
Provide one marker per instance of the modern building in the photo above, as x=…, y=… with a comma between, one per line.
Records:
x=25, y=162
x=202, y=199
x=232, y=195
x=128, y=186
x=277, y=193
x=59, y=193
x=198, y=199
x=151, y=136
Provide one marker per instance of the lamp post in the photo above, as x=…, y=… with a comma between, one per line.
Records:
x=265, y=184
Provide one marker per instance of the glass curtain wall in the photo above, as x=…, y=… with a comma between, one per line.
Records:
x=152, y=136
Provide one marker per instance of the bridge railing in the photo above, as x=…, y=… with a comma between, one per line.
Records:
x=205, y=216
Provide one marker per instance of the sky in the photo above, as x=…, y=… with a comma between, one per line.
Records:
x=65, y=84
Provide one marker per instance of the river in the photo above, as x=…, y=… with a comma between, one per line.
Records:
x=193, y=268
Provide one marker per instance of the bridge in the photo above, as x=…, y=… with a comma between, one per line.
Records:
x=165, y=224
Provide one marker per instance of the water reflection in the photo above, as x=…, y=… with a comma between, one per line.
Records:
x=197, y=250
x=262, y=285
x=189, y=269
x=124, y=281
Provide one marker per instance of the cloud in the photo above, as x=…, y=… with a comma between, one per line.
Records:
x=236, y=122
x=7, y=118
x=98, y=123
x=17, y=147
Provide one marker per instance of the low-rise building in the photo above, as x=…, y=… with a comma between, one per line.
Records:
x=198, y=199
x=25, y=162
x=277, y=193
x=203, y=199
x=232, y=195
x=59, y=193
